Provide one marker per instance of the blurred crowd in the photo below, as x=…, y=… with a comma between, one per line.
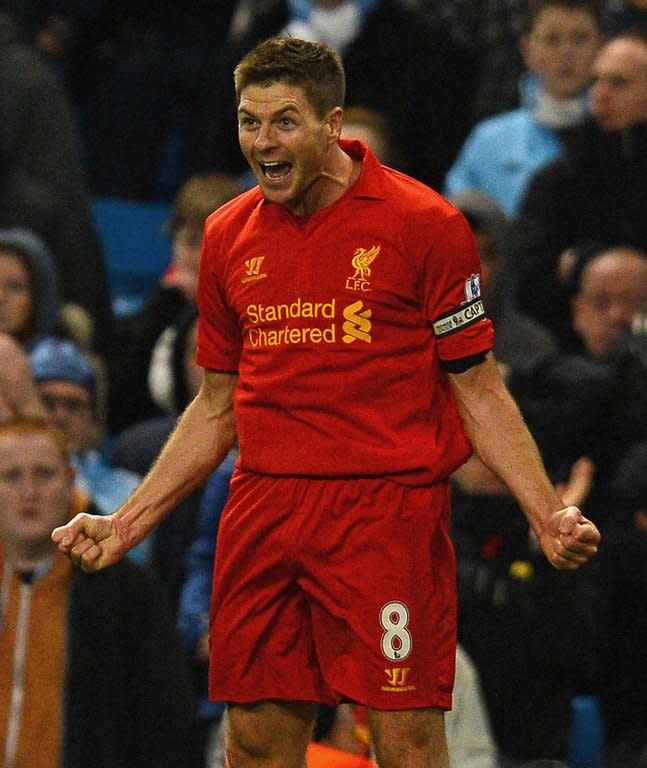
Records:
x=530, y=116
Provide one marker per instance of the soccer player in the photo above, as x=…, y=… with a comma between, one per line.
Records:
x=345, y=344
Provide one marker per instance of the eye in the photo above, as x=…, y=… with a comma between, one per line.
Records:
x=9, y=475
x=286, y=122
x=247, y=122
x=44, y=473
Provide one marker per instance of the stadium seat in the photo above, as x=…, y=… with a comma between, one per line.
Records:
x=136, y=248
x=587, y=733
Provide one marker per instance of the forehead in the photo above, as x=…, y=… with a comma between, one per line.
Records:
x=274, y=97
x=28, y=450
x=13, y=260
x=614, y=270
x=553, y=17
x=63, y=389
x=624, y=57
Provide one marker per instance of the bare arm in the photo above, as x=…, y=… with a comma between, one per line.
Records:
x=202, y=438
x=503, y=443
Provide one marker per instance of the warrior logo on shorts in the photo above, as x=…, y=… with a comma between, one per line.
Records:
x=397, y=678
x=361, y=263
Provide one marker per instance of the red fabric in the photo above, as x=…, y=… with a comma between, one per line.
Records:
x=327, y=590
x=328, y=319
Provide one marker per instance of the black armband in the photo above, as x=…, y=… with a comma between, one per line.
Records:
x=464, y=363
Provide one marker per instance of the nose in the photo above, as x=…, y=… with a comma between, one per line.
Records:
x=620, y=316
x=28, y=486
x=265, y=138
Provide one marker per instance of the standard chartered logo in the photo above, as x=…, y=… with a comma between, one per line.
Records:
x=306, y=322
x=357, y=324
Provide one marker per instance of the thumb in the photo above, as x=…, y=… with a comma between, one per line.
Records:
x=66, y=534
x=569, y=519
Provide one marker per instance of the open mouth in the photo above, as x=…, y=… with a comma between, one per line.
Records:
x=275, y=171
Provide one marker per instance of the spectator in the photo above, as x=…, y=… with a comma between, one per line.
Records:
x=87, y=679
x=516, y=618
x=137, y=72
x=502, y=153
x=421, y=86
x=43, y=186
x=623, y=665
x=140, y=386
x=373, y=128
x=469, y=735
x=136, y=447
x=491, y=30
x=69, y=388
x=610, y=292
x=596, y=193
x=28, y=286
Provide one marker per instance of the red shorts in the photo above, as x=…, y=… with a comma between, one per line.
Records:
x=331, y=590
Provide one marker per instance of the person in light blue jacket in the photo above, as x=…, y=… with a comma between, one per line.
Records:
x=503, y=152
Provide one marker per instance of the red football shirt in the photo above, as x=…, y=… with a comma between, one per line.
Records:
x=337, y=324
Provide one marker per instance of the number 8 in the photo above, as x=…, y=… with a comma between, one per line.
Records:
x=396, y=640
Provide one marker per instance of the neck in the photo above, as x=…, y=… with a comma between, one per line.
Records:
x=556, y=113
x=29, y=557
x=337, y=176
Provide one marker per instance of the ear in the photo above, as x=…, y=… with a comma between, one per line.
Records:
x=576, y=313
x=334, y=123
x=525, y=46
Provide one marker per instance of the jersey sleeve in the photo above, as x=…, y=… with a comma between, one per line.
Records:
x=219, y=334
x=452, y=286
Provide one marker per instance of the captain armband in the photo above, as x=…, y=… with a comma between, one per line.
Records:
x=459, y=319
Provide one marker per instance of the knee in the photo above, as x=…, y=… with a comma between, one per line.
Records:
x=412, y=739
x=260, y=736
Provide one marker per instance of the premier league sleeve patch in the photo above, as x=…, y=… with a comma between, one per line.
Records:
x=472, y=287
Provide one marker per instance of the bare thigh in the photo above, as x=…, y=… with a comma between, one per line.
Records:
x=272, y=734
x=409, y=739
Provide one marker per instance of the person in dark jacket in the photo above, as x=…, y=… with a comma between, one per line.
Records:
x=42, y=180
x=623, y=667
x=596, y=193
x=86, y=678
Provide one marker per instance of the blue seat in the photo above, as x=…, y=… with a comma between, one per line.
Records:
x=136, y=248
x=587, y=733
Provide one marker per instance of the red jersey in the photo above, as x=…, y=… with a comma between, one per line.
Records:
x=338, y=323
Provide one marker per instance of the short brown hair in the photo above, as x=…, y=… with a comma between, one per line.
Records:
x=199, y=197
x=313, y=66
x=33, y=425
x=535, y=7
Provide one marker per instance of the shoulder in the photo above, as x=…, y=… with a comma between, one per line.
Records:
x=413, y=198
x=233, y=213
x=506, y=122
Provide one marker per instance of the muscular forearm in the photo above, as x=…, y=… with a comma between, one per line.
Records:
x=503, y=442
x=203, y=437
